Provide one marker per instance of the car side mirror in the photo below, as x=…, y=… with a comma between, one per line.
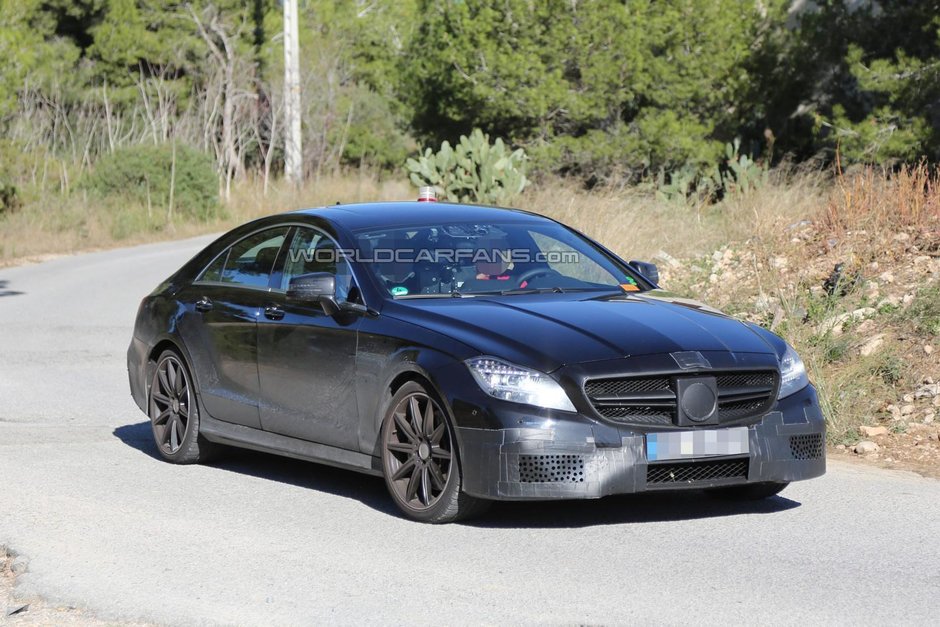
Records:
x=316, y=287
x=648, y=270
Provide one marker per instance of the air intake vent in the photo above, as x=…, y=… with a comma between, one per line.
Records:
x=551, y=469
x=745, y=394
x=626, y=387
x=651, y=401
x=690, y=473
x=807, y=446
x=639, y=415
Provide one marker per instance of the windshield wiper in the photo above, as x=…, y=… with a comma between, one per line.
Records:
x=458, y=294
x=556, y=290
x=436, y=295
x=511, y=292
x=532, y=290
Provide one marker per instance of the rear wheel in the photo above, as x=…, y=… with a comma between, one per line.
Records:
x=174, y=412
x=749, y=492
x=419, y=459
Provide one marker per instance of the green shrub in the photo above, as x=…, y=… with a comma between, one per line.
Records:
x=373, y=135
x=9, y=198
x=889, y=367
x=472, y=171
x=145, y=174
x=924, y=311
x=10, y=155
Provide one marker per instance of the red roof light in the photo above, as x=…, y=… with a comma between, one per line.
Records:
x=426, y=194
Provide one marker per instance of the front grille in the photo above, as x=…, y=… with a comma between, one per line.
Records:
x=646, y=401
x=551, y=469
x=621, y=387
x=807, y=446
x=687, y=473
x=745, y=394
x=640, y=415
x=746, y=379
x=738, y=409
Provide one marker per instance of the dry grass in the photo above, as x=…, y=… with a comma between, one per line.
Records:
x=250, y=201
x=56, y=224
x=876, y=198
x=632, y=221
x=637, y=225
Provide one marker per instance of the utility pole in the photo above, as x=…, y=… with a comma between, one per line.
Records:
x=293, y=161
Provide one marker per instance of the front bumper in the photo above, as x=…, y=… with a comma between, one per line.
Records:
x=569, y=457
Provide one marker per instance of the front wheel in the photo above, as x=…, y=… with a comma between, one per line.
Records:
x=749, y=492
x=419, y=459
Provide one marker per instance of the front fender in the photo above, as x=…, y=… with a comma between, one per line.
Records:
x=389, y=348
x=404, y=363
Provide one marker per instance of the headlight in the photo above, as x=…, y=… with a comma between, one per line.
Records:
x=507, y=382
x=792, y=373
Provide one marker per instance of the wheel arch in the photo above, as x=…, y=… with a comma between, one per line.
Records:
x=160, y=347
x=404, y=377
x=408, y=372
x=415, y=374
x=416, y=367
x=169, y=343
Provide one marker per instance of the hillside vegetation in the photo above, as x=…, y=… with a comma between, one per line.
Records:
x=603, y=91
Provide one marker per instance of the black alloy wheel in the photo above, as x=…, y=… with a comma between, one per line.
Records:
x=174, y=412
x=419, y=459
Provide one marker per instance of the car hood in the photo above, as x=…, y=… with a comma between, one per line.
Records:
x=552, y=330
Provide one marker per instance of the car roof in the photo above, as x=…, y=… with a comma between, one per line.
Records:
x=391, y=214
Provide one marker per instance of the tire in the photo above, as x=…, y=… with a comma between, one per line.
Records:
x=174, y=412
x=420, y=459
x=749, y=492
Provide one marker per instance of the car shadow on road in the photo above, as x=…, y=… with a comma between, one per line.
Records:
x=624, y=509
x=4, y=291
x=369, y=490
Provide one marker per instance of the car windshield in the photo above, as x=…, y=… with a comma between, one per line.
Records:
x=496, y=258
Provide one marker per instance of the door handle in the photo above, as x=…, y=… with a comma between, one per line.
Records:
x=273, y=312
x=204, y=304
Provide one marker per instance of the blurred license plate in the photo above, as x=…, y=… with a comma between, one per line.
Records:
x=699, y=443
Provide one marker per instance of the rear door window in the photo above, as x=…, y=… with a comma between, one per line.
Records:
x=249, y=261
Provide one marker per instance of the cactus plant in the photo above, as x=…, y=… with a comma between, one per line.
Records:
x=738, y=174
x=472, y=171
x=744, y=174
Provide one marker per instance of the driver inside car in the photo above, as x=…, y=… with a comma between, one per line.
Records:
x=494, y=261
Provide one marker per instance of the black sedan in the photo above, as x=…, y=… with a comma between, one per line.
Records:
x=467, y=354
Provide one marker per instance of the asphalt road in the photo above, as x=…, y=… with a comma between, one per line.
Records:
x=255, y=539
